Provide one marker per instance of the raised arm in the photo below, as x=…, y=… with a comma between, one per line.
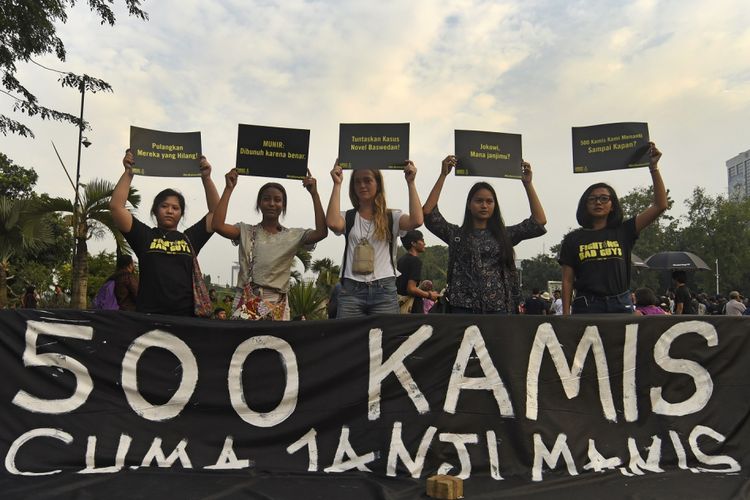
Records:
x=432, y=200
x=660, y=203
x=121, y=216
x=414, y=218
x=334, y=221
x=218, y=220
x=321, y=230
x=537, y=212
x=568, y=274
x=212, y=195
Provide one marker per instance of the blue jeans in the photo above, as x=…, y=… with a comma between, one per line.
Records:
x=358, y=298
x=599, y=304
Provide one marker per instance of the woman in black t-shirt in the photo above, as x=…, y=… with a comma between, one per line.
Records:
x=595, y=259
x=165, y=254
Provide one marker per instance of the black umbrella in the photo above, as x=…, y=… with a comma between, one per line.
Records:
x=676, y=260
x=636, y=261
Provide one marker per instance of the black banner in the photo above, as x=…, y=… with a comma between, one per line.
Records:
x=131, y=405
x=272, y=151
x=165, y=154
x=488, y=154
x=373, y=145
x=613, y=146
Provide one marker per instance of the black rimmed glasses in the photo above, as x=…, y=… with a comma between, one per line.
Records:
x=602, y=198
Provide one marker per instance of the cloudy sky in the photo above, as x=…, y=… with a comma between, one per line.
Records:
x=531, y=67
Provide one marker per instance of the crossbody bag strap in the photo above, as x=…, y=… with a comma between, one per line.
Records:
x=349, y=219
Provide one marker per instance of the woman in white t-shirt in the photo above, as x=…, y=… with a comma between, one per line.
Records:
x=267, y=249
x=369, y=268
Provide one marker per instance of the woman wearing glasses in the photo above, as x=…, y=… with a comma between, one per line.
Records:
x=595, y=259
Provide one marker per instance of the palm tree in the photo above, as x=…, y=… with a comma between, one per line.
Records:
x=91, y=220
x=328, y=274
x=22, y=227
x=305, y=299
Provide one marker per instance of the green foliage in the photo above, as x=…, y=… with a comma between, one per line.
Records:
x=22, y=229
x=29, y=29
x=537, y=271
x=91, y=220
x=15, y=180
x=101, y=267
x=328, y=274
x=306, y=299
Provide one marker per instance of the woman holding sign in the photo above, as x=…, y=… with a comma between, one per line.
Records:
x=482, y=277
x=267, y=249
x=166, y=256
x=595, y=259
x=368, y=269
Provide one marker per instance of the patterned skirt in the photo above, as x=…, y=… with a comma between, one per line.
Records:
x=253, y=302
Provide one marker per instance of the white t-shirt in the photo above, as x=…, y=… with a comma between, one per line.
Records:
x=557, y=306
x=384, y=265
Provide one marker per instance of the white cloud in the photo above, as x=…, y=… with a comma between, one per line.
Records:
x=535, y=67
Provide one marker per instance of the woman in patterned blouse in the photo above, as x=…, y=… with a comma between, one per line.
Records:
x=482, y=278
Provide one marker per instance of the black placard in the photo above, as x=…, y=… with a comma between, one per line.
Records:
x=272, y=151
x=612, y=146
x=373, y=145
x=488, y=154
x=165, y=154
x=125, y=405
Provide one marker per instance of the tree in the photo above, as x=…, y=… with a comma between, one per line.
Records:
x=328, y=274
x=717, y=228
x=21, y=228
x=306, y=299
x=27, y=29
x=15, y=180
x=538, y=270
x=93, y=220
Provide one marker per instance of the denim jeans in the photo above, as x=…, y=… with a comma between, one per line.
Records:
x=358, y=298
x=597, y=304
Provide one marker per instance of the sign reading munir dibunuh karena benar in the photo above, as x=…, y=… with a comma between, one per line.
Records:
x=272, y=151
x=612, y=146
x=165, y=154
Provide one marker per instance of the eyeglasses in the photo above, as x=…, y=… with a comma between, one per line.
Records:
x=602, y=198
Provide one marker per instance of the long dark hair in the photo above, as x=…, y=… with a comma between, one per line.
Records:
x=495, y=224
x=583, y=216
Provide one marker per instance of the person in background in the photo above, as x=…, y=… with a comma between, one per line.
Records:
x=683, y=299
x=427, y=304
x=596, y=258
x=126, y=283
x=734, y=307
x=30, y=299
x=557, y=303
x=483, y=278
x=535, y=305
x=220, y=313
x=410, y=266
x=165, y=254
x=646, y=303
x=58, y=300
x=333, y=301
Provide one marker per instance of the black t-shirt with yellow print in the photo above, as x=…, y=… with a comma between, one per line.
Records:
x=600, y=258
x=165, y=265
